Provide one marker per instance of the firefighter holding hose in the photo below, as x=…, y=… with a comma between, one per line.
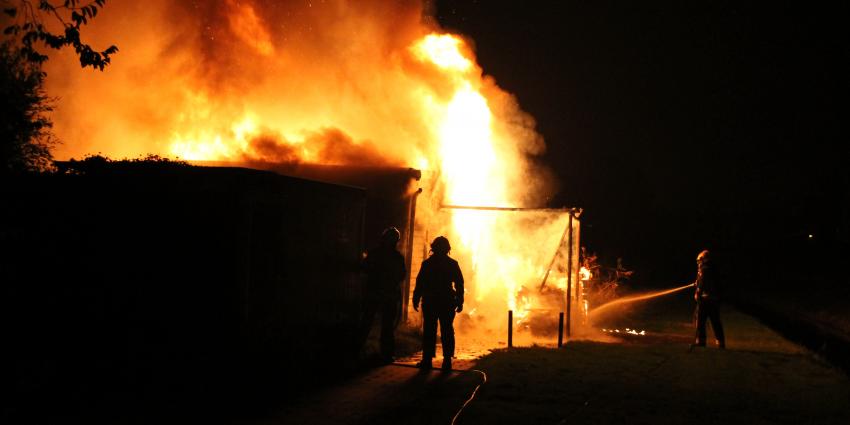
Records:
x=439, y=285
x=707, y=297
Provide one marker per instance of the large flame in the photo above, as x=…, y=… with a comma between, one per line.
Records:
x=335, y=82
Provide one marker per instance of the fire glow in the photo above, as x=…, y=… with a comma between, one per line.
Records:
x=627, y=331
x=331, y=82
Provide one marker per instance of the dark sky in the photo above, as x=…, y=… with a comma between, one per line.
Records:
x=679, y=125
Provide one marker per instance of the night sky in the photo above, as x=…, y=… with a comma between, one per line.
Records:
x=679, y=125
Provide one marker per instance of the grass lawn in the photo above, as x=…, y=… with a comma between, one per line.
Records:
x=760, y=378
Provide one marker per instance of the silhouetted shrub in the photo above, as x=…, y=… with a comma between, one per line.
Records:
x=25, y=129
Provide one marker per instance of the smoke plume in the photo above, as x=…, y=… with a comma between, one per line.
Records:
x=324, y=81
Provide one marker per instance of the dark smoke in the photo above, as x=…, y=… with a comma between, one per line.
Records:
x=332, y=145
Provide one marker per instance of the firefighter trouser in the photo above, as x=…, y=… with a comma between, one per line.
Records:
x=711, y=311
x=389, y=308
x=445, y=315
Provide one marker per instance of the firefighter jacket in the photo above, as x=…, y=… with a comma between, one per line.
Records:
x=385, y=271
x=707, y=284
x=434, y=282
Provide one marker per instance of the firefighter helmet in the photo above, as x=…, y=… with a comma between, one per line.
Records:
x=703, y=256
x=441, y=245
x=391, y=235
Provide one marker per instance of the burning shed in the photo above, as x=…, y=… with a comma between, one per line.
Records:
x=522, y=260
x=376, y=85
x=525, y=260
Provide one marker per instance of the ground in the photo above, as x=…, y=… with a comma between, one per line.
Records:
x=395, y=394
x=759, y=378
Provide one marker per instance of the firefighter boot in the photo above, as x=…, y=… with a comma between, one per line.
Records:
x=447, y=364
x=425, y=364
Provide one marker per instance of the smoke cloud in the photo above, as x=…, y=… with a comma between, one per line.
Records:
x=323, y=81
x=191, y=71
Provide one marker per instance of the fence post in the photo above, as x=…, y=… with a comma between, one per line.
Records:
x=510, y=328
x=560, y=329
x=569, y=272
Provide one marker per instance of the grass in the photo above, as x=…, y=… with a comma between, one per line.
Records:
x=760, y=378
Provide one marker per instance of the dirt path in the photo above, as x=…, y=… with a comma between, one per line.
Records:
x=387, y=395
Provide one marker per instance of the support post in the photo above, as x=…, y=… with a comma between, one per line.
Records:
x=408, y=249
x=510, y=328
x=569, y=273
x=560, y=329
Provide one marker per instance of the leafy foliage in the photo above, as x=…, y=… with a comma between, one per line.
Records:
x=99, y=164
x=29, y=29
x=25, y=130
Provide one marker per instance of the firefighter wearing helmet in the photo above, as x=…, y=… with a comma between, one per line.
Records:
x=384, y=267
x=707, y=297
x=439, y=285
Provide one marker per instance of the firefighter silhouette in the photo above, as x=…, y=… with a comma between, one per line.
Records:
x=707, y=297
x=384, y=267
x=439, y=285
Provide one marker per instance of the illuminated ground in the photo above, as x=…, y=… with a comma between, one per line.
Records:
x=467, y=352
x=387, y=395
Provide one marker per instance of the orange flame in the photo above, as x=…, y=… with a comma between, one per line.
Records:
x=333, y=82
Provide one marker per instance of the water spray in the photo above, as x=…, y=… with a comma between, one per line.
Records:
x=634, y=298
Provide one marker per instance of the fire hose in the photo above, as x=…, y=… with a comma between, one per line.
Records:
x=471, y=396
x=634, y=298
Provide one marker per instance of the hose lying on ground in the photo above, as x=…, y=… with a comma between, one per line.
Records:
x=471, y=396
